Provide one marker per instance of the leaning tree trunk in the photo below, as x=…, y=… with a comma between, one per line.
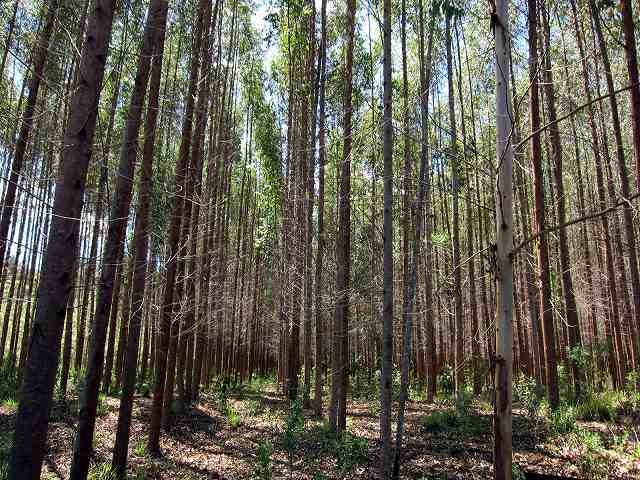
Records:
x=141, y=243
x=40, y=369
x=153, y=33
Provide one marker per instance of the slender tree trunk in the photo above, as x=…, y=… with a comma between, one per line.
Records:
x=114, y=243
x=548, y=330
x=172, y=243
x=502, y=446
x=40, y=55
x=386, y=370
x=455, y=192
x=140, y=242
x=573, y=325
x=340, y=372
x=320, y=330
x=417, y=234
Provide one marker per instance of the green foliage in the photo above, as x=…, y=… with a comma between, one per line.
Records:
x=233, y=417
x=8, y=384
x=263, y=468
x=350, y=451
x=455, y=420
x=636, y=452
x=293, y=427
x=439, y=421
x=253, y=408
x=445, y=379
x=102, y=471
x=102, y=405
x=563, y=420
x=591, y=460
x=140, y=448
x=4, y=469
x=516, y=473
x=527, y=395
x=597, y=407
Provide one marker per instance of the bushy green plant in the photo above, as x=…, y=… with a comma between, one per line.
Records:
x=597, y=407
x=590, y=460
x=464, y=401
x=351, y=451
x=636, y=452
x=563, y=420
x=253, y=408
x=516, y=472
x=293, y=427
x=445, y=379
x=8, y=384
x=526, y=394
x=263, y=468
x=233, y=417
x=102, y=471
x=140, y=448
x=102, y=407
x=439, y=421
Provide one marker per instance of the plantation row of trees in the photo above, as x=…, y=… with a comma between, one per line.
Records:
x=200, y=192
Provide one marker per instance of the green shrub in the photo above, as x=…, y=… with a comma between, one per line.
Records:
x=563, y=420
x=101, y=471
x=439, y=421
x=233, y=418
x=527, y=395
x=636, y=452
x=253, y=408
x=350, y=451
x=516, y=473
x=8, y=384
x=140, y=448
x=293, y=427
x=597, y=407
x=263, y=468
x=4, y=469
x=102, y=407
x=445, y=379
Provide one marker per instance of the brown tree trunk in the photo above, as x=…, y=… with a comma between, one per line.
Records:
x=26, y=124
x=40, y=368
x=114, y=243
x=548, y=330
x=140, y=246
x=173, y=240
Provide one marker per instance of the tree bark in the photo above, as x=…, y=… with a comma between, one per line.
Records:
x=42, y=362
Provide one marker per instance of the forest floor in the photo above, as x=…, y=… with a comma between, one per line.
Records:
x=252, y=433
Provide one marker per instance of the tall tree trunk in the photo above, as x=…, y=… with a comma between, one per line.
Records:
x=340, y=373
x=548, y=330
x=455, y=192
x=320, y=330
x=40, y=55
x=40, y=369
x=114, y=243
x=140, y=242
x=386, y=370
x=573, y=325
x=502, y=446
x=166, y=310
x=417, y=239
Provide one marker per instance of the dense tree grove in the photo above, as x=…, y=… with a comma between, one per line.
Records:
x=431, y=196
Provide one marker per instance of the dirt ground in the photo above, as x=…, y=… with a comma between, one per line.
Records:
x=207, y=442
